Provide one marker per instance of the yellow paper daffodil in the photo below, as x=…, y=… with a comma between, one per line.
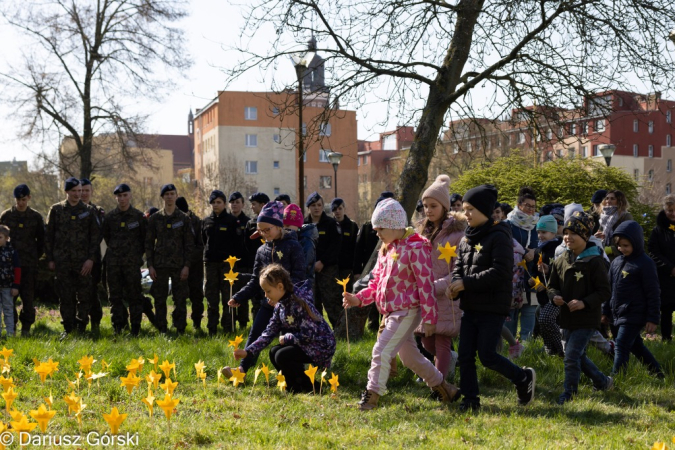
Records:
x=166, y=368
x=236, y=342
x=86, y=362
x=266, y=371
x=237, y=377
x=658, y=445
x=9, y=397
x=523, y=264
x=202, y=375
x=323, y=380
x=49, y=400
x=130, y=382
x=134, y=366
x=333, y=382
x=232, y=276
x=4, y=366
x=169, y=386
x=78, y=407
x=311, y=374
x=16, y=415
x=153, y=379
x=6, y=383
x=115, y=419
x=53, y=366
x=104, y=365
x=43, y=370
x=6, y=353
x=74, y=385
x=154, y=361
x=281, y=382
x=167, y=405
x=447, y=252
x=343, y=283
x=23, y=426
x=257, y=373
x=149, y=401
x=71, y=400
x=199, y=367
x=537, y=282
x=541, y=258
x=231, y=260
x=42, y=416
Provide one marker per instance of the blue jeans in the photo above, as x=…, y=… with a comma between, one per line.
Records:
x=576, y=361
x=628, y=340
x=527, y=318
x=7, y=310
x=262, y=319
x=480, y=333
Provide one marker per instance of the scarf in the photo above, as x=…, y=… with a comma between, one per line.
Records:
x=523, y=221
x=608, y=219
x=475, y=234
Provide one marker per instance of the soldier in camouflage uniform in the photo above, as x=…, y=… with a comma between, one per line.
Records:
x=96, y=311
x=27, y=233
x=124, y=230
x=168, y=246
x=236, y=202
x=72, y=240
x=196, y=277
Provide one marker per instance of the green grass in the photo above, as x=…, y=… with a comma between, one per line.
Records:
x=640, y=411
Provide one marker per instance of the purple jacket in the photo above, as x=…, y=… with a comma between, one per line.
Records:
x=298, y=328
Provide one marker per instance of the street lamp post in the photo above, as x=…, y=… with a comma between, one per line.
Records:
x=301, y=63
x=334, y=158
x=607, y=150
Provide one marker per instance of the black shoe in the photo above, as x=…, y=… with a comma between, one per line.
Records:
x=25, y=331
x=213, y=332
x=135, y=330
x=469, y=406
x=525, y=389
x=564, y=398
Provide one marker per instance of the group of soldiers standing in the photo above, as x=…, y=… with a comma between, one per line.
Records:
x=185, y=256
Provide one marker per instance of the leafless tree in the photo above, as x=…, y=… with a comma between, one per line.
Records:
x=85, y=64
x=468, y=58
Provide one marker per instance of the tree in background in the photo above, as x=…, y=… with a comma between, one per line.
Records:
x=466, y=58
x=84, y=66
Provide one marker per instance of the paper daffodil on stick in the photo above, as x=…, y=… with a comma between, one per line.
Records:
x=7, y=353
x=323, y=378
x=6, y=383
x=231, y=277
x=153, y=379
x=236, y=342
x=78, y=407
x=154, y=362
x=237, y=377
x=22, y=428
x=130, y=382
x=166, y=368
x=333, y=382
x=344, y=283
x=85, y=363
x=167, y=405
x=447, y=252
x=42, y=416
x=311, y=374
x=9, y=397
x=266, y=371
x=149, y=401
x=537, y=282
x=199, y=367
x=281, y=382
x=115, y=419
x=136, y=365
x=231, y=260
x=71, y=400
x=49, y=400
x=169, y=386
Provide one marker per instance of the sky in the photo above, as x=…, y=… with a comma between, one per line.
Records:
x=211, y=24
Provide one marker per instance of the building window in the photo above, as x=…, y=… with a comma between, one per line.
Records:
x=325, y=182
x=275, y=111
x=651, y=151
x=651, y=175
x=304, y=181
x=358, y=161
x=669, y=189
x=549, y=134
x=584, y=151
x=277, y=138
x=635, y=150
x=669, y=116
x=276, y=165
x=304, y=129
x=304, y=156
x=596, y=152
x=469, y=146
x=570, y=152
x=636, y=174
x=521, y=137
x=669, y=140
x=251, y=167
x=365, y=159
x=636, y=126
x=584, y=128
x=325, y=129
x=549, y=156
x=651, y=127
x=573, y=129
x=251, y=140
x=620, y=101
x=251, y=113
x=323, y=155
x=277, y=191
x=455, y=149
x=600, y=125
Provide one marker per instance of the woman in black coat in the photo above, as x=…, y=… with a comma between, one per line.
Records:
x=661, y=248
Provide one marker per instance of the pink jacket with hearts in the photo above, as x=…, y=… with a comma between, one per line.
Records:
x=402, y=278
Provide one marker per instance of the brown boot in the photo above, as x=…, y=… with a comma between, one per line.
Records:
x=227, y=372
x=447, y=392
x=368, y=400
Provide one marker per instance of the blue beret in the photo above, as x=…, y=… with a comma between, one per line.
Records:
x=283, y=198
x=85, y=182
x=335, y=204
x=599, y=196
x=219, y=194
x=260, y=198
x=313, y=198
x=454, y=198
x=236, y=195
x=71, y=183
x=21, y=191
x=166, y=188
x=121, y=188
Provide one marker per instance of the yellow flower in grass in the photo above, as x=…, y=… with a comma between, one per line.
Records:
x=281, y=382
x=49, y=400
x=167, y=405
x=9, y=397
x=153, y=379
x=333, y=382
x=6, y=353
x=149, y=401
x=166, y=368
x=236, y=342
x=169, y=386
x=71, y=400
x=154, y=362
x=199, y=367
x=42, y=416
x=237, y=377
x=130, y=382
x=6, y=383
x=23, y=426
x=86, y=362
x=115, y=419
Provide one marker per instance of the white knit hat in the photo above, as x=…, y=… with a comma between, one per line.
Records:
x=389, y=214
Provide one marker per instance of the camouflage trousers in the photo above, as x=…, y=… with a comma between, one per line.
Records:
x=124, y=283
x=328, y=294
x=160, y=292
x=195, y=284
x=27, y=295
x=217, y=291
x=74, y=292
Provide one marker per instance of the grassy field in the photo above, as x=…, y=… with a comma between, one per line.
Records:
x=639, y=412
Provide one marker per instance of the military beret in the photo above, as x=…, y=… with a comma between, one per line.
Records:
x=236, y=195
x=121, y=188
x=260, y=198
x=21, y=190
x=166, y=188
x=85, y=182
x=71, y=183
x=336, y=203
x=220, y=194
x=283, y=198
x=313, y=198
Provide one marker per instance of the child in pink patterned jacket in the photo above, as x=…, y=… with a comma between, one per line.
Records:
x=401, y=286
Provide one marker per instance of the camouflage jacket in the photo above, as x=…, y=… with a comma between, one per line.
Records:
x=73, y=233
x=100, y=215
x=27, y=233
x=169, y=242
x=124, y=233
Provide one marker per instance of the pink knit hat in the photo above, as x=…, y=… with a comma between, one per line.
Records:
x=439, y=191
x=389, y=214
x=293, y=216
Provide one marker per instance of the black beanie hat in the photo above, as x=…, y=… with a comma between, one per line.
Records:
x=483, y=198
x=182, y=204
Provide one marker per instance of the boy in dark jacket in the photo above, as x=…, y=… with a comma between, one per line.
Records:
x=635, y=298
x=482, y=279
x=579, y=285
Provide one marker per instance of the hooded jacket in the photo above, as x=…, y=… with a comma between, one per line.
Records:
x=486, y=268
x=636, y=296
x=662, y=250
x=285, y=251
x=449, y=314
x=402, y=278
x=328, y=247
x=546, y=251
x=580, y=278
x=290, y=319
